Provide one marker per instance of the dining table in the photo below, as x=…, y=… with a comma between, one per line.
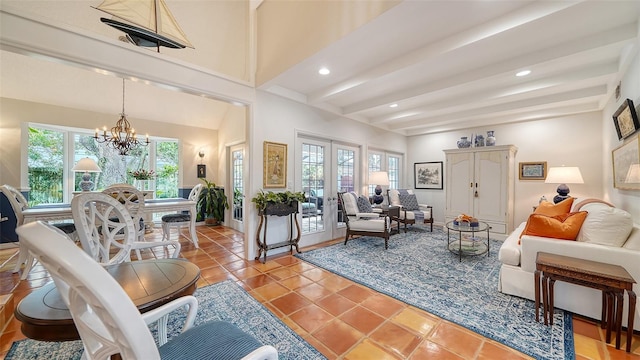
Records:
x=55, y=212
x=44, y=316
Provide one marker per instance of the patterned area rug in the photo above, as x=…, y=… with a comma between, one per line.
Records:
x=419, y=270
x=222, y=301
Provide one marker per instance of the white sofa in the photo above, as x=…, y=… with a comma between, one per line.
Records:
x=602, y=238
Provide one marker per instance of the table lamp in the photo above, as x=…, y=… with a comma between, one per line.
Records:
x=563, y=175
x=86, y=165
x=378, y=178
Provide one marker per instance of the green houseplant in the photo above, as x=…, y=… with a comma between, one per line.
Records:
x=212, y=202
x=265, y=200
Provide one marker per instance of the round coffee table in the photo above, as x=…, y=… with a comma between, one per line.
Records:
x=149, y=283
x=464, y=244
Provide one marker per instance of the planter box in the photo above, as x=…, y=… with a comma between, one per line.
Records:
x=280, y=209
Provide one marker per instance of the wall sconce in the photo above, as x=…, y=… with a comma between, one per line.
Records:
x=202, y=169
x=201, y=154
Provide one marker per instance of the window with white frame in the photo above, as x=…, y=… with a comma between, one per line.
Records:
x=383, y=161
x=52, y=152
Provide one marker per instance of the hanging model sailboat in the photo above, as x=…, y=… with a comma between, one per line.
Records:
x=147, y=23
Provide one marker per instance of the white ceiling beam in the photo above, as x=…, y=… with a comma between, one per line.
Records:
x=537, y=10
x=622, y=34
x=468, y=95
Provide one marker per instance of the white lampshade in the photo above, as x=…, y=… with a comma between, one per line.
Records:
x=563, y=175
x=379, y=178
x=633, y=175
x=86, y=165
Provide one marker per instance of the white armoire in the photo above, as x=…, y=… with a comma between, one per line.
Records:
x=480, y=181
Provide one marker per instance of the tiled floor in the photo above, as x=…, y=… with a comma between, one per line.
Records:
x=342, y=319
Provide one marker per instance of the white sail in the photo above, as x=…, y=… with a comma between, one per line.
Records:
x=153, y=15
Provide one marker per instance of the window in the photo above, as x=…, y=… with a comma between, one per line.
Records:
x=391, y=166
x=238, y=197
x=53, y=151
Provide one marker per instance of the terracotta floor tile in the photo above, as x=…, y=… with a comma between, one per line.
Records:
x=334, y=283
x=282, y=273
x=395, y=338
x=337, y=336
x=258, y=281
x=491, y=350
x=586, y=328
x=245, y=273
x=314, y=291
x=383, y=305
x=266, y=267
x=320, y=347
x=290, y=303
x=356, y=293
x=589, y=347
x=431, y=350
x=302, y=266
x=462, y=341
x=311, y=317
x=367, y=350
x=316, y=274
x=286, y=260
x=362, y=319
x=271, y=291
x=296, y=282
x=335, y=304
x=417, y=321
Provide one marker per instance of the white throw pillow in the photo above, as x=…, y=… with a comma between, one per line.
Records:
x=605, y=225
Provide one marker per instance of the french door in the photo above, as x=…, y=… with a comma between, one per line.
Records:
x=324, y=168
x=237, y=187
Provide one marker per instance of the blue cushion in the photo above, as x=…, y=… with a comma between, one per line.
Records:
x=364, y=206
x=176, y=218
x=218, y=340
x=409, y=201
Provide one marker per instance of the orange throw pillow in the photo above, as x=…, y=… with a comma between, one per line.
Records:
x=551, y=209
x=565, y=226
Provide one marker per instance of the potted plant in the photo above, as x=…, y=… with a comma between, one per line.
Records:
x=280, y=203
x=212, y=202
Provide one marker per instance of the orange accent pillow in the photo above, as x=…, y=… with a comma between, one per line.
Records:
x=551, y=209
x=565, y=226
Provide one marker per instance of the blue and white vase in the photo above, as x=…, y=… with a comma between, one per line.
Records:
x=491, y=140
x=464, y=143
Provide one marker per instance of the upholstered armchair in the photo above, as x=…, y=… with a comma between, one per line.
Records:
x=360, y=218
x=410, y=210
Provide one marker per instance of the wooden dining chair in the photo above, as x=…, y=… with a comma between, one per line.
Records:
x=108, y=321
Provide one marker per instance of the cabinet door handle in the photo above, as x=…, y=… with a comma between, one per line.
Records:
x=476, y=193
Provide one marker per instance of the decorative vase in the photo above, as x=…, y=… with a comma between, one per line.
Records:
x=144, y=185
x=479, y=141
x=464, y=143
x=491, y=140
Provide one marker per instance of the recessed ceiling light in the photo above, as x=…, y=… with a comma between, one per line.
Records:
x=523, y=73
x=393, y=105
x=324, y=71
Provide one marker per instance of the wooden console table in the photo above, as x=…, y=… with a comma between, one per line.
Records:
x=612, y=280
x=289, y=210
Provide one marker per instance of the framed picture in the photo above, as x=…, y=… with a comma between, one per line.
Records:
x=626, y=165
x=202, y=171
x=428, y=175
x=626, y=120
x=274, y=165
x=533, y=170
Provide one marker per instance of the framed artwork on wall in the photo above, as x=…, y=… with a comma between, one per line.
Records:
x=626, y=165
x=626, y=120
x=428, y=175
x=533, y=170
x=202, y=171
x=274, y=165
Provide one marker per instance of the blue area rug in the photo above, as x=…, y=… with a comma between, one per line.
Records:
x=419, y=270
x=221, y=301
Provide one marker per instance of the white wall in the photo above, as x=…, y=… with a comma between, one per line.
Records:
x=572, y=141
x=629, y=89
x=278, y=120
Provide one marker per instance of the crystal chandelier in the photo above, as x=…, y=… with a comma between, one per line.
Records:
x=123, y=137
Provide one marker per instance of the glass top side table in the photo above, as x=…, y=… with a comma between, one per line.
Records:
x=467, y=242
